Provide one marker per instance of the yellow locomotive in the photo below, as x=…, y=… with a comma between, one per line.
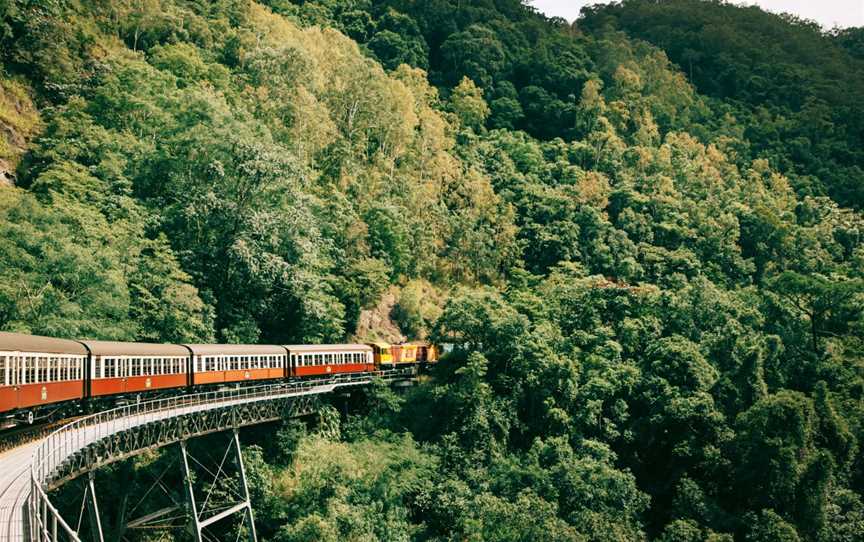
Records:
x=391, y=355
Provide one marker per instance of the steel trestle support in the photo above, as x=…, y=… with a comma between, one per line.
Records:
x=197, y=523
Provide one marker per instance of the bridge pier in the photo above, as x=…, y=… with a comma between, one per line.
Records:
x=93, y=509
x=197, y=521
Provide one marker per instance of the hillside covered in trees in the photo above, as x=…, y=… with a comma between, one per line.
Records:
x=643, y=232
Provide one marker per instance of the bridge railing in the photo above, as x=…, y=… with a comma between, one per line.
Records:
x=45, y=521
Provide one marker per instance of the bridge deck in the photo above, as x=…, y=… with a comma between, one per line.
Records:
x=14, y=490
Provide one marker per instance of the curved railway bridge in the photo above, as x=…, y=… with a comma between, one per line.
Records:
x=29, y=472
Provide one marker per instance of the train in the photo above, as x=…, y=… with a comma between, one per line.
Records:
x=46, y=377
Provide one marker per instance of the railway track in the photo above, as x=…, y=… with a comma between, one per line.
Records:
x=18, y=436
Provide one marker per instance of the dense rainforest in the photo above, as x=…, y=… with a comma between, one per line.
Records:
x=642, y=232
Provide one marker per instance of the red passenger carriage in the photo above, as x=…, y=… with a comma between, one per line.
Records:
x=326, y=359
x=218, y=363
x=118, y=367
x=37, y=371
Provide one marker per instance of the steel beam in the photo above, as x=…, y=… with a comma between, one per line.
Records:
x=93, y=509
x=194, y=524
x=197, y=524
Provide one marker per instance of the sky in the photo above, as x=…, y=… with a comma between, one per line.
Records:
x=828, y=13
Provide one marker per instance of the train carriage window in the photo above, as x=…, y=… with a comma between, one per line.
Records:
x=3, y=372
x=29, y=370
x=61, y=368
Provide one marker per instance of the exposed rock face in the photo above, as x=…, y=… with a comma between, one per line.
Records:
x=19, y=122
x=376, y=323
x=7, y=175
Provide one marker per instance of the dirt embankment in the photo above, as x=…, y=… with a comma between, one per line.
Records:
x=376, y=324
